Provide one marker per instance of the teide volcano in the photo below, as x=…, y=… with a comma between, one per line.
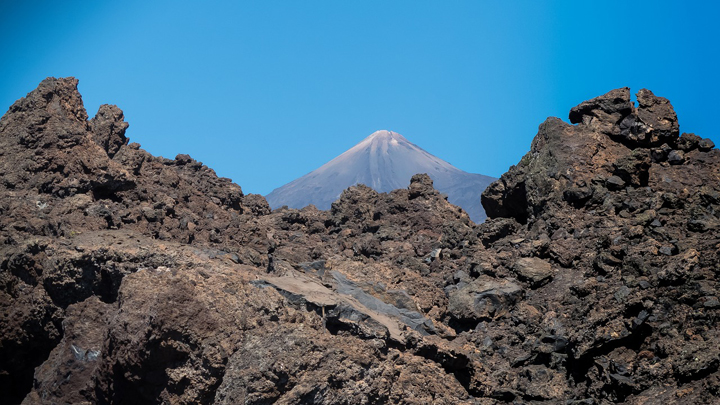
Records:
x=384, y=161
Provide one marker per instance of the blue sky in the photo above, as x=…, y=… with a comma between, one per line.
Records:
x=265, y=92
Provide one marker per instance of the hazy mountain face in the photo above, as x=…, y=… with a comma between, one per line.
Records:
x=384, y=161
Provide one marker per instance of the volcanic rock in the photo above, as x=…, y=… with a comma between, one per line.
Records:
x=533, y=270
x=484, y=299
x=706, y=144
x=129, y=278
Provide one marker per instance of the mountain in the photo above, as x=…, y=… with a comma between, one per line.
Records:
x=384, y=161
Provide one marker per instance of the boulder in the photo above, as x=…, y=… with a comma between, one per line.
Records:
x=109, y=128
x=533, y=270
x=484, y=299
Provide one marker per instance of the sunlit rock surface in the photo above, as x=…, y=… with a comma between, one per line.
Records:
x=128, y=278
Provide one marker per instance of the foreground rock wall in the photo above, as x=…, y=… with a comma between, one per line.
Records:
x=129, y=278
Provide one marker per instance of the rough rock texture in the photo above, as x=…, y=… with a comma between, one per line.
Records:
x=128, y=278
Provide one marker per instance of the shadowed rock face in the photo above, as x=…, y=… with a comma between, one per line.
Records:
x=128, y=278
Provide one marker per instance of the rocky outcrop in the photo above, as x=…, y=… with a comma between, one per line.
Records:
x=64, y=176
x=130, y=278
x=614, y=202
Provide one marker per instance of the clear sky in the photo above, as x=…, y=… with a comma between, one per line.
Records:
x=267, y=91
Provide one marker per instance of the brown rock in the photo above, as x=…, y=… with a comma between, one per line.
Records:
x=109, y=128
x=484, y=299
x=126, y=277
x=533, y=270
x=658, y=115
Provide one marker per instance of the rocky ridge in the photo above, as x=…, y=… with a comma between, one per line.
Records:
x=127, y=277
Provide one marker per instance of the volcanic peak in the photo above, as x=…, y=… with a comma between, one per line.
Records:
x=384, y=161
x=384, y=134
x=380, y=141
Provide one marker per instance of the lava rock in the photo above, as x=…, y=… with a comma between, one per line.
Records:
x=533, y=270
x=615, y=183
x=126, y=277
x=676, y=157
x=421, y=185
x=484, y=299
x=659, y=116
x=688, y=142
x=706, y=144
x=109, y=128
x=615, y=104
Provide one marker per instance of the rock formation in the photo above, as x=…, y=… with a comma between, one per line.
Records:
x=128, y=278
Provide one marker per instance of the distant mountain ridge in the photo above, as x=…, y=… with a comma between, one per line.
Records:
x=384, y=161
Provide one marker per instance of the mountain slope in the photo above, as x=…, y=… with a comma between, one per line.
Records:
x=384, y=161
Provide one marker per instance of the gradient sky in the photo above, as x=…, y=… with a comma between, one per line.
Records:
x=267, y=91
